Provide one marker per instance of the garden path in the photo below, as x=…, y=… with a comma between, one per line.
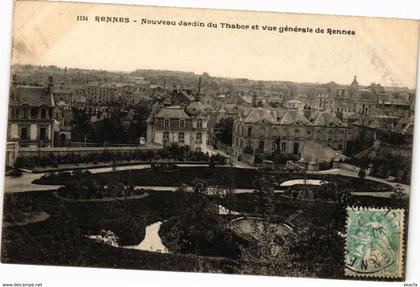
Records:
x=340, y=171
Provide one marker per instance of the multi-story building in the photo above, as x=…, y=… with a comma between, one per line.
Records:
x=183, y=126
x=30, y=120
x=268, y=130
x=351, y=99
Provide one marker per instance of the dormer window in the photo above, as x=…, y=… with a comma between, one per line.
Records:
x=182, y=123
x=43, y=114
x=199, y=123
x=166, y=123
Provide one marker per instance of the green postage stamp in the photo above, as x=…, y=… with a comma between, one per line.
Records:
x=374, y=242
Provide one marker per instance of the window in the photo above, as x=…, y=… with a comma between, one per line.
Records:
x=296, y=148
x=182, y=123
x=42, y=133
x=24, y=133
x=166, y=123
x=199, y=123
x=181, y=137
x=261, y=146
x=283, y=146
x=34, y=113
x=165, y=135
x=43, y=114
x=198, y=137
x=249, y=131
x=262, y=131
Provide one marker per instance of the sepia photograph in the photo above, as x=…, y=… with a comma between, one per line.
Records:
x=209, y=141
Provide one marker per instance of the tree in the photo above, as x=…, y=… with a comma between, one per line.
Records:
x=82, y=128
x=362, y=173
x=198, y=229
x=225, y=126
x=264, y=197
x=392, y=127
x=110, y=130
x=268, y=253
x=399, y=197
x=67, y=239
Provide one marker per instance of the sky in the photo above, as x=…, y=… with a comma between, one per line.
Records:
x=382, y=50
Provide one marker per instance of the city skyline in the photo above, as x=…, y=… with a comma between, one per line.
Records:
x=381, y=51
x=351, y=77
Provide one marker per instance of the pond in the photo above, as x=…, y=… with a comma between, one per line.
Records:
x=152, y=241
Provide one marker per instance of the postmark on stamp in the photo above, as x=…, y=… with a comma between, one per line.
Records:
x=374, y=242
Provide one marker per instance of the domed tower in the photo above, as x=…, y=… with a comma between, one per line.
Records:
x=354, y=87
x=195, y=108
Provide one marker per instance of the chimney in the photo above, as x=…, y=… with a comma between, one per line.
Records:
x=14, y=78
x=50, y=84
x=307, y=112
x=254, y=99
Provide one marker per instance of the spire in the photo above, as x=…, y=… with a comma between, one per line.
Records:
x=355, y=83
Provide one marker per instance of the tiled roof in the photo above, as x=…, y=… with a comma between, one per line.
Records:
x=186, y=95
x=155, y=110
x=259, y=114
x=294, y=117
x=172, y=112
x=33, y=96
x=231, y=108
x=325, y=119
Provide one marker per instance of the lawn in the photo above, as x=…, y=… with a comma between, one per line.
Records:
x=219, y=176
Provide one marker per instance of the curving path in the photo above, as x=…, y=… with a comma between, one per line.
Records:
x=344, y=172
x=24, y=183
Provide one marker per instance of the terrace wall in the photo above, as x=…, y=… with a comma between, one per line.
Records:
x=60, y=151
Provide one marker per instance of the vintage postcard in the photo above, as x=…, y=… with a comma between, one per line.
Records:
x=219, y=141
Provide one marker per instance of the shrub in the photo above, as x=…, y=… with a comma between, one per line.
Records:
x=15, y=172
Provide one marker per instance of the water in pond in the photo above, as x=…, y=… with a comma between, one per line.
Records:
x=152, y=241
